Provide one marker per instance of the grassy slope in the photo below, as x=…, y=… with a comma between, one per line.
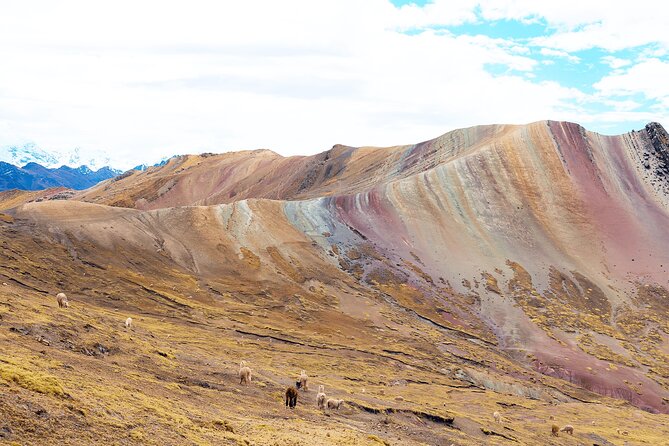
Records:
x=76, y=376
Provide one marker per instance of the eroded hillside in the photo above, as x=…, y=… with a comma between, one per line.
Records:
x=519, y=269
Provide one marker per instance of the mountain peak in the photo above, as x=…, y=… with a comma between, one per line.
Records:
x=24, y=154
x=34, y=176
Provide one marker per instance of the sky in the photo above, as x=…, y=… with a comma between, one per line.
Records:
x=142, y=80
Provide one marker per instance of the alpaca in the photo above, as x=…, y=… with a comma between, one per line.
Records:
x=333, y=403
x=291, y=397
x=622, y=432
x=554, y=430
x=303, y=380
x=128, y=323
x=568, y=429
x=321, y=397
x=62, y=300
x=497, y=416
x=244, y=373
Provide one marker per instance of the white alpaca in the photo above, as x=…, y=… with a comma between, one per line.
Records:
x=334, y=404
x=128, y=323
x=497, y=416
x=321, y=397
x=244, y=373
x=568, y=429
x=303, y=381
x=62, y=300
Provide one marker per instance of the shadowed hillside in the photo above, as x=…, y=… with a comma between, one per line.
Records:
x=519, y=269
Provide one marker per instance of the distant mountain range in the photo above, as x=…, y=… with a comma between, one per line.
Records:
x=34, y=176
x=162, y=162
x=20, y=155
x=29, y=167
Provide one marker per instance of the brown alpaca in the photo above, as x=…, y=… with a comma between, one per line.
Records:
x=62, y=300
x=554, y=430
x=291, y=397
x=568, y=429
x=244, y=373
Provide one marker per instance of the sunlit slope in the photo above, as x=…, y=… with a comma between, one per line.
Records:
x=214, y=179
x=512, y=268
x=209, y=286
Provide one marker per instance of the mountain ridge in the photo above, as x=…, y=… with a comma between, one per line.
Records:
x=519, y=269
x=314, y=170
x=22, y=154
x=34, y=176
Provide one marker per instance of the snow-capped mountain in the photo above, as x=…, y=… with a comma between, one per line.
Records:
x=34, y=176
x=27, y=153
x=20, y=155
x=162, y=162
x=95, y=160
x=29, y=167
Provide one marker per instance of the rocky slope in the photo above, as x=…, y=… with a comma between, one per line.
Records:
x=512, y=268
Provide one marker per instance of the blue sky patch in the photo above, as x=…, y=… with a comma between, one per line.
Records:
x=501, y=29
x=399, y=3
x=581, y=70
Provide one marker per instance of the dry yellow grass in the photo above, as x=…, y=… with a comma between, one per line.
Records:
x=172, y=378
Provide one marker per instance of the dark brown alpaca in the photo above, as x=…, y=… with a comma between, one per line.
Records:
x=291, y=397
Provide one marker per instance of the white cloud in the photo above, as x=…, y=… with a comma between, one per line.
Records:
x=558, y=53
x=153, y=78
x=622, y=105
x=612, y=26
x=615, y=62
x=582, y=24
x=648, y=78
x=565, y=14
x=438, y=12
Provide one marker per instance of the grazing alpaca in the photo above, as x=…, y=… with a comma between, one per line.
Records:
x=497, y=416
x=244, y=373
x=291, y=397
x=554, y=430
x=568, y=429
x=303, y=381
x=62, y=300
x=321, y=397
x=128, y=323
x=334, y=404
x=622, y=432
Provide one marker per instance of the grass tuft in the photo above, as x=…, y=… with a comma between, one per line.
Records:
x=35, y=381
